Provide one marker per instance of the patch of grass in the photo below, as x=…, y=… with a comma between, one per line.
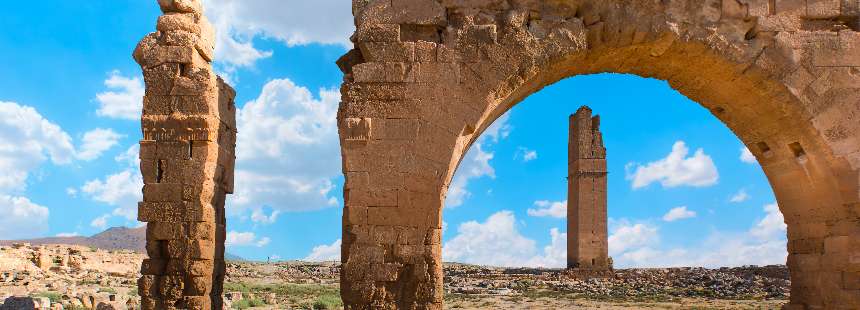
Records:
x=248, y=303
x=108, y=290
x=313, y=296
x=53, y=296
x=328, y=302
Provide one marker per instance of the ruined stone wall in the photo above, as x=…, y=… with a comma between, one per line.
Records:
x=187, y=159
x=427, y=77
x=587, y=245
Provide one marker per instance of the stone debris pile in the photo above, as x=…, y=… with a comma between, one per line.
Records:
x=291, y=272
x=770, y=282
x=66, y=276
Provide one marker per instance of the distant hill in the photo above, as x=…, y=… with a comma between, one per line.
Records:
x=231, y=257
x=115, y=238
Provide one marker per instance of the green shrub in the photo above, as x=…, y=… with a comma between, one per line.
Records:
x=248, y=303
x=108, y=290
x=55, y=297
x=328, y=302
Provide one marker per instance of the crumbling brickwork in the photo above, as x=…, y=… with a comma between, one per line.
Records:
x=427, y=77
x=587, y=240
x=186, y=159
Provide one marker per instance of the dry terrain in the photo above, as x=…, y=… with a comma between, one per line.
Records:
x=81, y=277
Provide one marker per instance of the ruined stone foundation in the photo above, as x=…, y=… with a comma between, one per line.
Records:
x=187, y=158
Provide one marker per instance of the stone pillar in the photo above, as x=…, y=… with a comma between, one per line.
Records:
x=187, y=158
x=587, y=245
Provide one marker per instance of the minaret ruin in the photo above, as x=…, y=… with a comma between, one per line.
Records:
x=587, y=245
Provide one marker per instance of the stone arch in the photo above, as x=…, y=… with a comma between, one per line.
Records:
x=428, y=76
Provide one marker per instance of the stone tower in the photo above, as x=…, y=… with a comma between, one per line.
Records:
x=186, y=159
x=587, y=245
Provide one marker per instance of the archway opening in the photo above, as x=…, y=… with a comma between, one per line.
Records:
x=683, y=191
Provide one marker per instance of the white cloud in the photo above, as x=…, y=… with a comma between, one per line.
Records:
x=772, y=226
x=499, y=130
x=292, y=22
x=130, y=157
x=740, y=196
x=26, y=141
x=747, y=156
x=67, y=235
x=525, y=154
x=238, y=239
x=122, y=190
x=677, y=170
x=325, y=253
x=554, y=254
x=496, y=242
x=288, y=149
x=476, y=162
x=678, y=213
x=475, y=165
x=556, y=209
x=123, y=100
x=626, y=236
x=72, y=192
x=259, y=216
x=763, y=244
x=100, y=222
x=21, y=218
x=96, y=142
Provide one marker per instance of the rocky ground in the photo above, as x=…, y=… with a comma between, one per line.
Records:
x=81, y=278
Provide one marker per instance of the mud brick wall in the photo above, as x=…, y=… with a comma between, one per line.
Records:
x=187, y=161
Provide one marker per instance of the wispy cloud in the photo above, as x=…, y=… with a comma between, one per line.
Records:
x=678, y=213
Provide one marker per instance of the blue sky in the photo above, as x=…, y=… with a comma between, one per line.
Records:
x=681, y=189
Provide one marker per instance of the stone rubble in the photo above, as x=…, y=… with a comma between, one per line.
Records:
x=770, y=282
x=87, y=278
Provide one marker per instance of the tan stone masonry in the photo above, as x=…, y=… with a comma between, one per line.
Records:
x=187, y=158
x=587, y=240
x=427, y=77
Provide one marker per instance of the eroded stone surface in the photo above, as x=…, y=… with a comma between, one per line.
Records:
x=587, y=231
x=782, y=74
x=187, y=159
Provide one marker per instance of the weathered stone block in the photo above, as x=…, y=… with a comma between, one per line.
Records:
x=845, y=55
x=189, y=22
x=153, y=267
x=146, y=285
x=201, y=231
x=162, y=192
x=425, y=51
x=823, y=8
x=378, y=33
x=397, y=129
x=388, y=51
x=418, y=12
x=198, y=286
x=372, y=198
x=384, y=272
x=182, y=6
x=377, y=72
x=355, y=215
x=198, y=302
